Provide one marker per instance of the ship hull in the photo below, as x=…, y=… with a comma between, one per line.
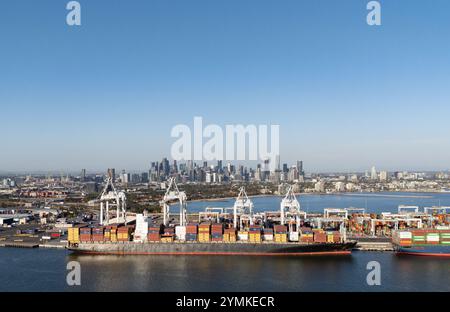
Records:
x=425, y=250
x=221, y=249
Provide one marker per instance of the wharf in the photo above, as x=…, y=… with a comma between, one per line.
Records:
x=373, y=244
x=19, y=244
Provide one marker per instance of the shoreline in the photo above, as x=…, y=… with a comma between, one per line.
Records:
x=368, y=194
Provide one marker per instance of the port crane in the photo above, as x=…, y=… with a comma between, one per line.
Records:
x=111, y=197
x=244, y=207
x=173, y=193
x=290, y=208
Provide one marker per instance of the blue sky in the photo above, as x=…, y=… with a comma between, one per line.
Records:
x=106, y=94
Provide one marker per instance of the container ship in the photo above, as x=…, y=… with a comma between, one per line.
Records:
x=206, y=239
x=220, y=232
x=423, y=242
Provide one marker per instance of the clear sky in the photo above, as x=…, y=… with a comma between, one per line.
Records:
x=106, y=94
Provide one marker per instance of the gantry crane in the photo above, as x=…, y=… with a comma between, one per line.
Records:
x=244, y=206
x=173, y=193
x=290, y=208
x=111, y=197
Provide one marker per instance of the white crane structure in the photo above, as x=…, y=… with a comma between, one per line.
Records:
x=290, y=208
x=173, y=193
x=244, y=207
x=110, y=197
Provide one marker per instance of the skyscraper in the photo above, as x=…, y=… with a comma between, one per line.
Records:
x=300, y=167
x=373, y=174
x=83, y=175
x=112, y=174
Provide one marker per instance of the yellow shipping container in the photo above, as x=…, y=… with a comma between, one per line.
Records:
x=330, y=238
x=229, y=237
x=113, y=237
x=204, y=237
x=167, y=239
x=281, y=238
x=254, y=237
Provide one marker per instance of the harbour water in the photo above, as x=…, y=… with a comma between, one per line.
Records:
x=45, y=270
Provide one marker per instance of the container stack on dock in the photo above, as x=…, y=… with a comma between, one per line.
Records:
x=204, y=231
x=217, y=232
x=191, y=232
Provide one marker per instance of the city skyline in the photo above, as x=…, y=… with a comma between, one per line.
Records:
x=107, y=94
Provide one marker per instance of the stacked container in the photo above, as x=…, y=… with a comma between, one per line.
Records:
x=191, y=232
x=433, y=238
x=85, y=234
x=229, y=235
x=268, y=234
x=123, y=234
x=113, y=235
x=204, y=231
x=405, y=238
x=418, y=237
x=180, y=233
x=168, y=235
x=107, y=233
x=336, y=236
x=243, y=235
x=217, y=232
x=320, y=236
x=97, y=234
x=280, y=233
x=445, y=237
x=153, y=233
x=254, y=234
x=73, y=235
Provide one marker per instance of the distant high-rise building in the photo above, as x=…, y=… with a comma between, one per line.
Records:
x=112, y=174
x=83, y=175
x=300, y=167
x=285, y=168
x=383, y=176
x=144, y=177
x=219, y=166
x=165, y=167
x=373, y=174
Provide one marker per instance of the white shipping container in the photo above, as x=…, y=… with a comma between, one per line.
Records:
x=268, y=237
x=293, y=236
x=242, y=237
x=405, y=235
x=180, y=229
x=432, y=238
